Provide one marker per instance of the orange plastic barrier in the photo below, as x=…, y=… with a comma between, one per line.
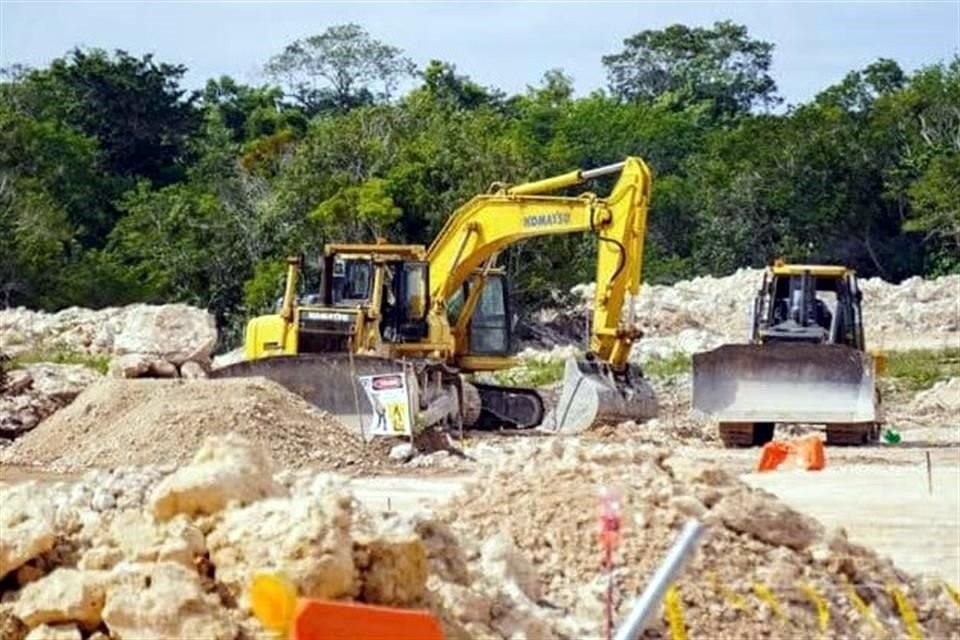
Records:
x=323, y=620
x=809, y=452
x=274, y=601
x=773, y=455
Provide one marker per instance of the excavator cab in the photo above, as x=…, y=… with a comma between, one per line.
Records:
x=489, y=328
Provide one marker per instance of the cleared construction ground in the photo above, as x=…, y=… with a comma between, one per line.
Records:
x=194, y=486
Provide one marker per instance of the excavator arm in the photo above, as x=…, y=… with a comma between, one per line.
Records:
x=487, y=224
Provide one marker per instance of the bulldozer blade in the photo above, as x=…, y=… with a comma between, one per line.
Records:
x=593, y=395
x=787, y=383
x=323, y=380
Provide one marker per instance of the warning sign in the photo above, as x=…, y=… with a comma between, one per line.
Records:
x=391, y=405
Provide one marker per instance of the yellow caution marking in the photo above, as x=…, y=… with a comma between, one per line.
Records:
x=732, y=598
x=954, y=594
x=771, y=600
x=674, y=608
x=820, y=603
x=862, y=607
x=907, y=613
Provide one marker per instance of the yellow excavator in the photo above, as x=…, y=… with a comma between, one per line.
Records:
x=806, y=362
x=438, y=312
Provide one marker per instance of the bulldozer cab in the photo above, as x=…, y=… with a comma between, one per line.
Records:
x=351, y=281
x=809, y=304
x=389, y=284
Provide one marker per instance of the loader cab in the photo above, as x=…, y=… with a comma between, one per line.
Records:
x=809, y=304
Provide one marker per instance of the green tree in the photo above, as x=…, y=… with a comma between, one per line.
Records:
x=935, y=200
x=859, y=89
x=134, y=108
x=359, y=212
x=196, y=241
x=442, y=84
x=342, y=67
x=722, y=65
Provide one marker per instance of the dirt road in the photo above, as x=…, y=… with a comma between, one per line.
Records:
x=885, y=507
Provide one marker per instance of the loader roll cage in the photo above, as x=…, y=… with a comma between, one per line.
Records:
x=805, y=306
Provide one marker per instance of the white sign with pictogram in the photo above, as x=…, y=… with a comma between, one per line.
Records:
x=388, y=396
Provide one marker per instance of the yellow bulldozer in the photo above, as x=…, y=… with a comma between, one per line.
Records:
x=805, y=363
x=436, y=313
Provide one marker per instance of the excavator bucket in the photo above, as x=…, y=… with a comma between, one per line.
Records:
x=593, y=395
x=324, y=380
x=787, y=383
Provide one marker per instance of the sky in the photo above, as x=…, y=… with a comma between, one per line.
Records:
x=503, y=44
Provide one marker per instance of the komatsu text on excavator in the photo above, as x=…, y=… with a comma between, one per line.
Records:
x=441, y=311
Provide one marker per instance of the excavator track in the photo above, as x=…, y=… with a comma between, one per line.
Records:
x=500, y=406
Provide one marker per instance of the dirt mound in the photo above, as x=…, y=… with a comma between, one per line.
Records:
x=129, y=422
x=941, y=400
x=675, y=424
x=546, y=500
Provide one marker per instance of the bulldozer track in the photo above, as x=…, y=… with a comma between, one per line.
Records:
x=738, y=435
x=851, y=434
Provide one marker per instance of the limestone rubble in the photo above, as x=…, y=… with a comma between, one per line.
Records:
x=38, y=390
x=514, y=556
x=140, y=336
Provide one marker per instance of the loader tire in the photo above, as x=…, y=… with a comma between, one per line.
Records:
x=736, y=435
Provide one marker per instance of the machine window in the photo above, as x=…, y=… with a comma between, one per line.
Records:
x=489, y=327
x=415, y=290
x=454, y=305
x=351, y=281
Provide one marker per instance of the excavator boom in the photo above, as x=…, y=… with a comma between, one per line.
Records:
x=605, y=387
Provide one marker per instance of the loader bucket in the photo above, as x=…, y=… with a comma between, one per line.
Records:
x=787, y=383
x=593, y=394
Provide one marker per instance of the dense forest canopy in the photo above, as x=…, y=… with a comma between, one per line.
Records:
x=118, y=185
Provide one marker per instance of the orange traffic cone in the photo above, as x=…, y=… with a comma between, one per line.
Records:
x=808, y=451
